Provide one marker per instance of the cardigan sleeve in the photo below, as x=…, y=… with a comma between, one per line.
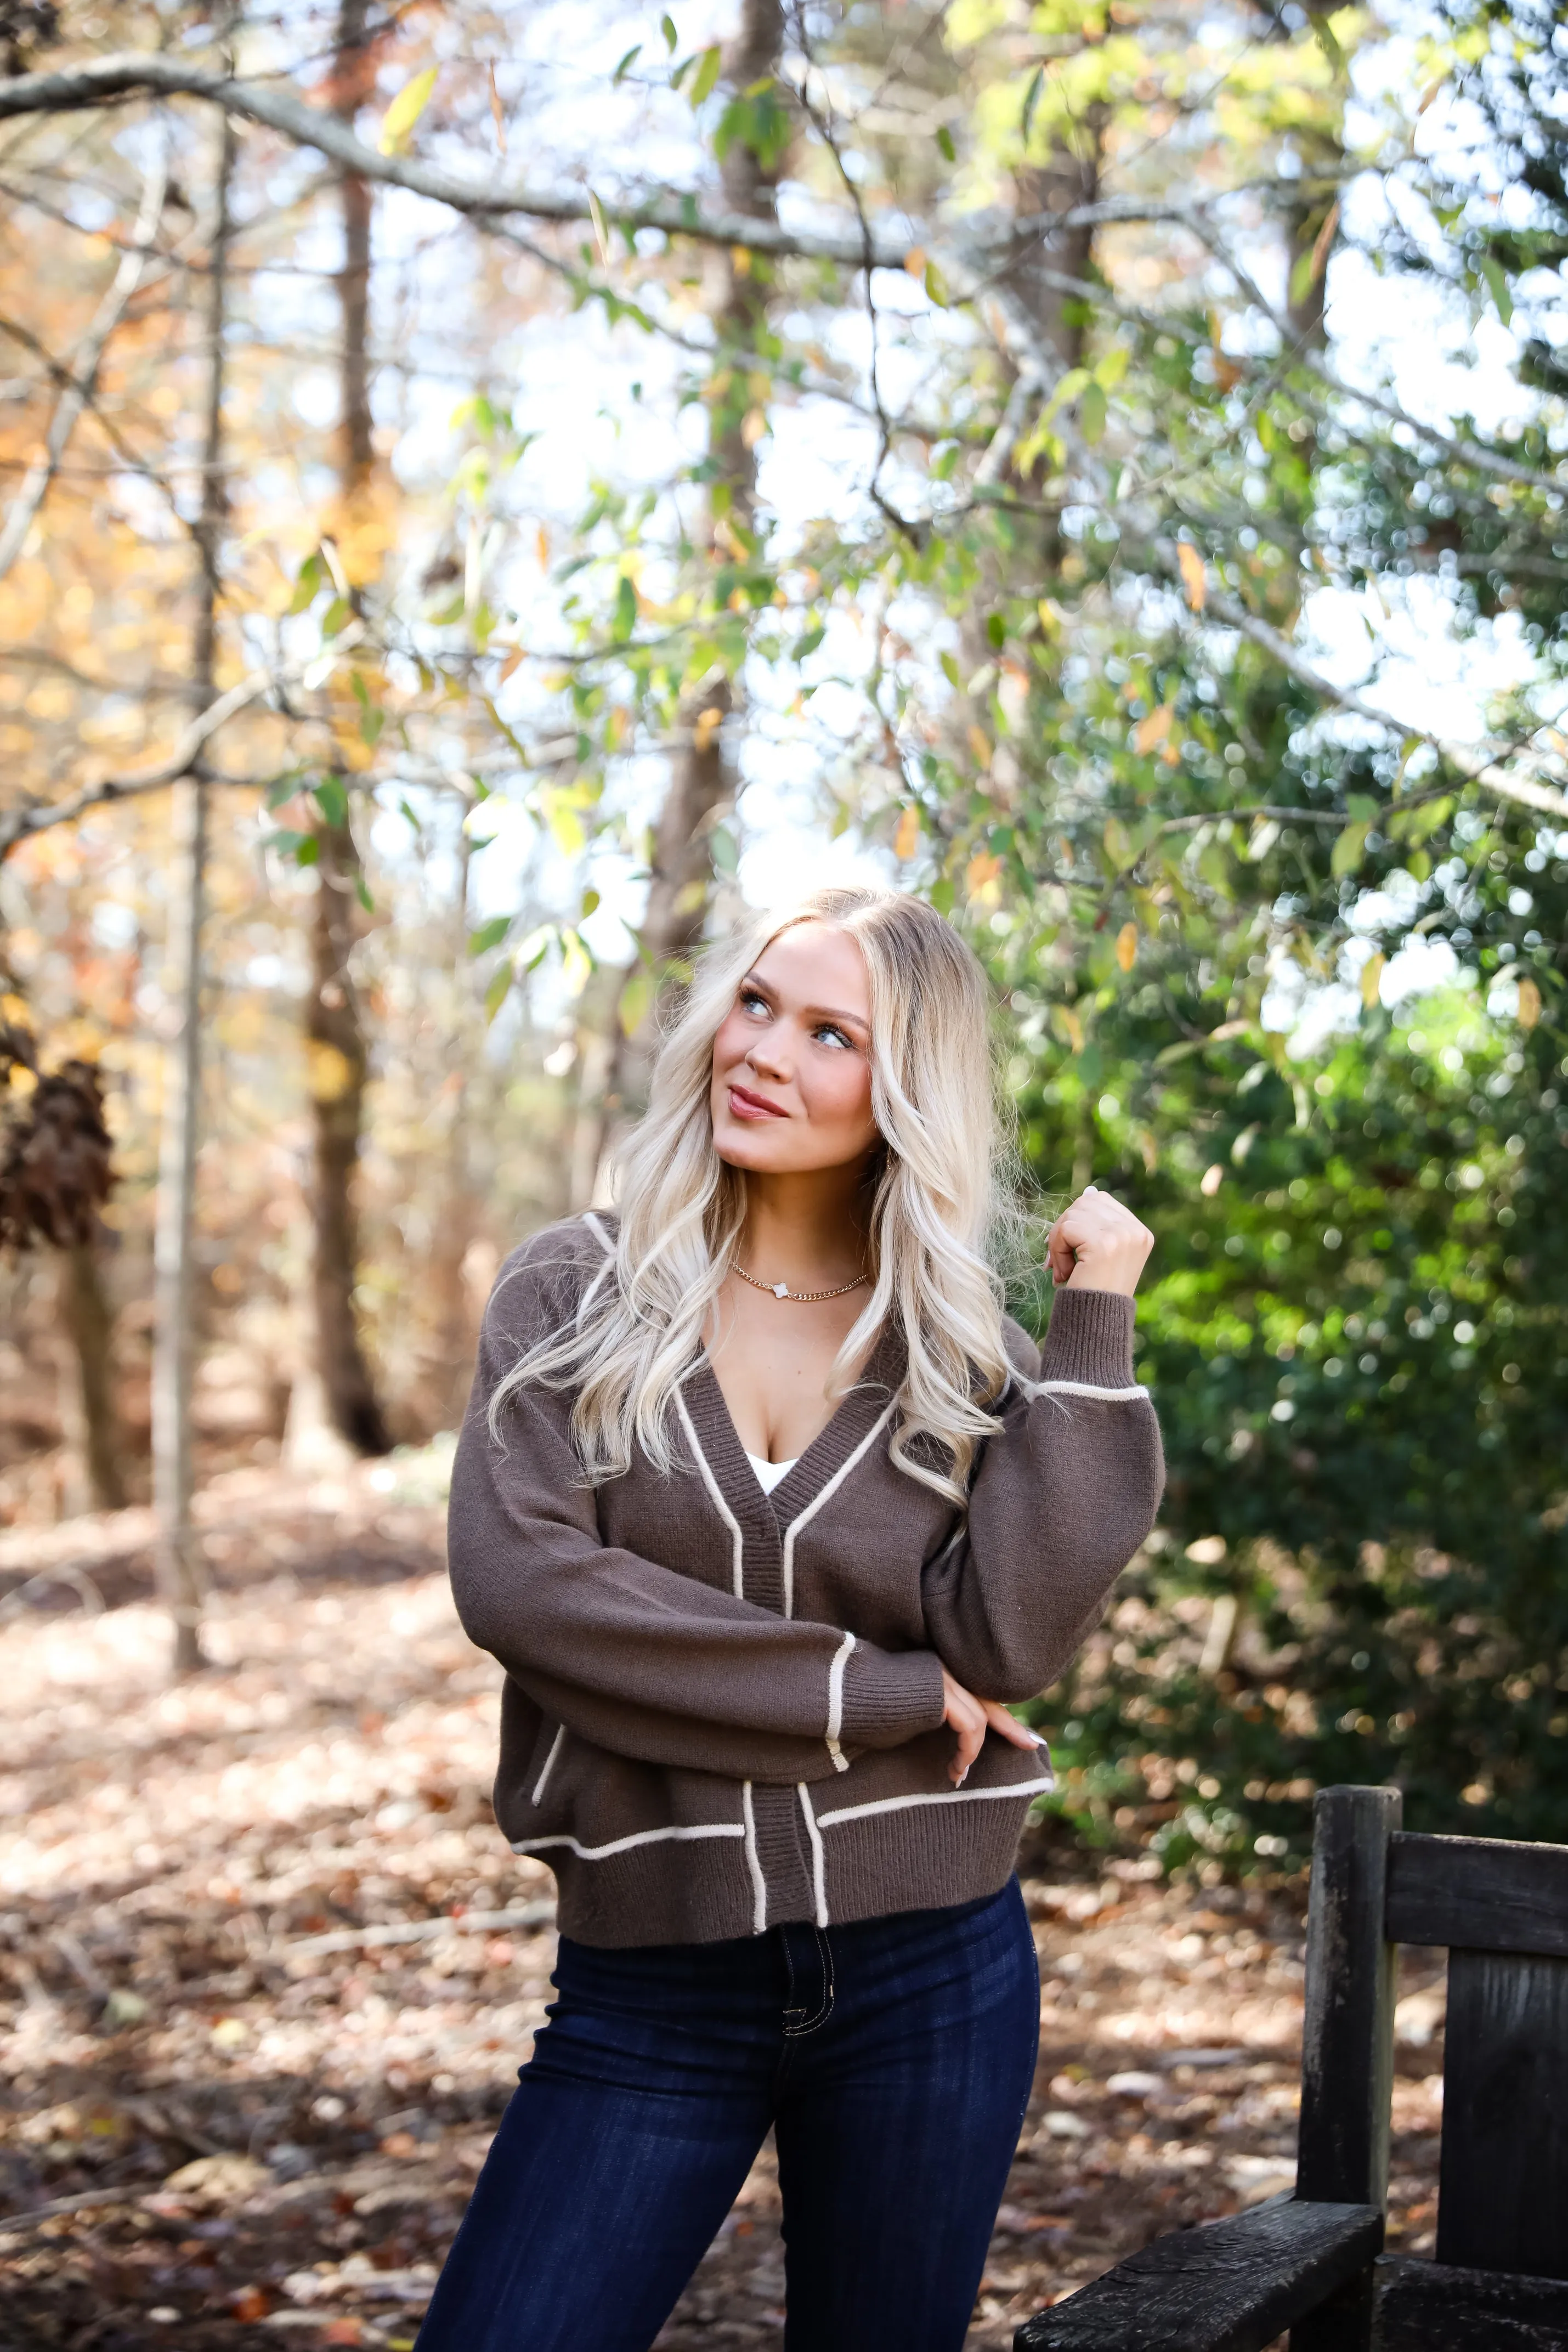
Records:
x=1066, y=1491
x=637, y=1657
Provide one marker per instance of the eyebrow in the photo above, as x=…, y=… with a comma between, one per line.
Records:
x=809, y=1011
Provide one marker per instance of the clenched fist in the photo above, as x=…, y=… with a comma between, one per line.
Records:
x=1097, y=1244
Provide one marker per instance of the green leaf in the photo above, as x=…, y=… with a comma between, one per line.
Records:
x=309, y=852
x=635, y=999
x=1031, y=100
x=331, y=800
x=1348, y=850
x=708, y=74
x=489, y=935
x=625, y=617
x=1092, y=413
x=807, y=644
x=945, y=146
x=363, y=895
x=500, y=988
x=667, y=27
x=307, y=580
x=286, y=841
x=721, y=845
x=624, y=66
x=996, y=630
x=937, y=286
x=337, y=616
x=1493, y=273
x=284, y=787
x=952, y=673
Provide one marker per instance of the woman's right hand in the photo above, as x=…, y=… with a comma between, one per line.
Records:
x=971, y=1717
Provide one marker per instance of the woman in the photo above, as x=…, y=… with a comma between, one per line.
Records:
x=767, y=1511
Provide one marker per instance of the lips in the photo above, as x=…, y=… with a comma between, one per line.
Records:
x=744, y=1104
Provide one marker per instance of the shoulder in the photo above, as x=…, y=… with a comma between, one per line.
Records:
x=541, y=1283
x=1022, y=1352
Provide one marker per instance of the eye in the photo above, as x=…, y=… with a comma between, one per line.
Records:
x=834, y=1036
x=750, y=1000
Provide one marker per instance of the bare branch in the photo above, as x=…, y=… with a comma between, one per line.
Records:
x=1476, y=766
x=40, y=816
x=86, y=362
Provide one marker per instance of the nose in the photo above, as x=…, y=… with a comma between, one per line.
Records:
x=768, y=1056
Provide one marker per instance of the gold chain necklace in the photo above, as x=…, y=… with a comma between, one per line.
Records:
x=782, y=1289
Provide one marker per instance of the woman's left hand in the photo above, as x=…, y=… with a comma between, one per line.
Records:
x=1097, y=1244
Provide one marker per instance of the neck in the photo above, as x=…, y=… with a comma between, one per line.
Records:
x=805, y=1229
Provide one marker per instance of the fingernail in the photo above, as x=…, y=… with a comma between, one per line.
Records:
x=1039, y=1740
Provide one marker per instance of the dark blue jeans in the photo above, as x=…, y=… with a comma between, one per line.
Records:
x=893, y=2059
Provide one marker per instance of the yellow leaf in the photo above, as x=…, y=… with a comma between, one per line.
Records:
x=754, y=427
x=1528, y=1002
x=980, y=745
x=983, y=869
x=1153, y=729
x=1193, y=578
x=495, y=115
x=1127, y=946
x=405, y=109
x=914, y=261
x=906, y=840
x=1371, y=974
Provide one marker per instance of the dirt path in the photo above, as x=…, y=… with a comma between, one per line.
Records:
x=265, y=2120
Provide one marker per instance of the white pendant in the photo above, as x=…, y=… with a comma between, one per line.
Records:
x=780, y=1290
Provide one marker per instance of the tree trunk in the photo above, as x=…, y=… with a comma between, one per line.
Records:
x=334, y=1031
x=682, y=863
x=89, y=1322
x=180, y=1574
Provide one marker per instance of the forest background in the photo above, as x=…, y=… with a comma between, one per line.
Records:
x=484, y=492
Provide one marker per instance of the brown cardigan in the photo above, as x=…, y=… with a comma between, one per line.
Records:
x=723, y=1709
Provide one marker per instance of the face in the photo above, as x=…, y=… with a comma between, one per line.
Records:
x=791, y=1063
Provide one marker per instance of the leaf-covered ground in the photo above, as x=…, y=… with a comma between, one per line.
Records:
x=240, y=2106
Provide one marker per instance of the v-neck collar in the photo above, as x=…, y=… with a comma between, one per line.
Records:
x=851, y=1421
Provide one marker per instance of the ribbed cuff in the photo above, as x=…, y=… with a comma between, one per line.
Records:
x=1089, y=1339
x=890, y=1696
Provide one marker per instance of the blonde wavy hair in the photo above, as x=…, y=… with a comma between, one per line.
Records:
x=938, y=1204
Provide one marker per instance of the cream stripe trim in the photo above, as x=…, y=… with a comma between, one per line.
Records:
x=737, y=1540
x=622, y=1845
x=836, y=1707
x=823, y=1494
x=597, y=1230
x=550, y=1765
x=1087, y=1389
x=819, y=1858
x=759, y=1884
x=936, y=1797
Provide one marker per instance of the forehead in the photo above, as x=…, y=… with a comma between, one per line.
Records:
x=814, y=965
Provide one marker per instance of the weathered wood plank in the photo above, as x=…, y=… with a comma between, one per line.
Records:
x=1229, y=2287
x=1503, y=2198
x=1436, y=2307
x=1489, y=1894
x=1347, y=2040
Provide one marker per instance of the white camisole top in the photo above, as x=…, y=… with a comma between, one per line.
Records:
x=769, y=1474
